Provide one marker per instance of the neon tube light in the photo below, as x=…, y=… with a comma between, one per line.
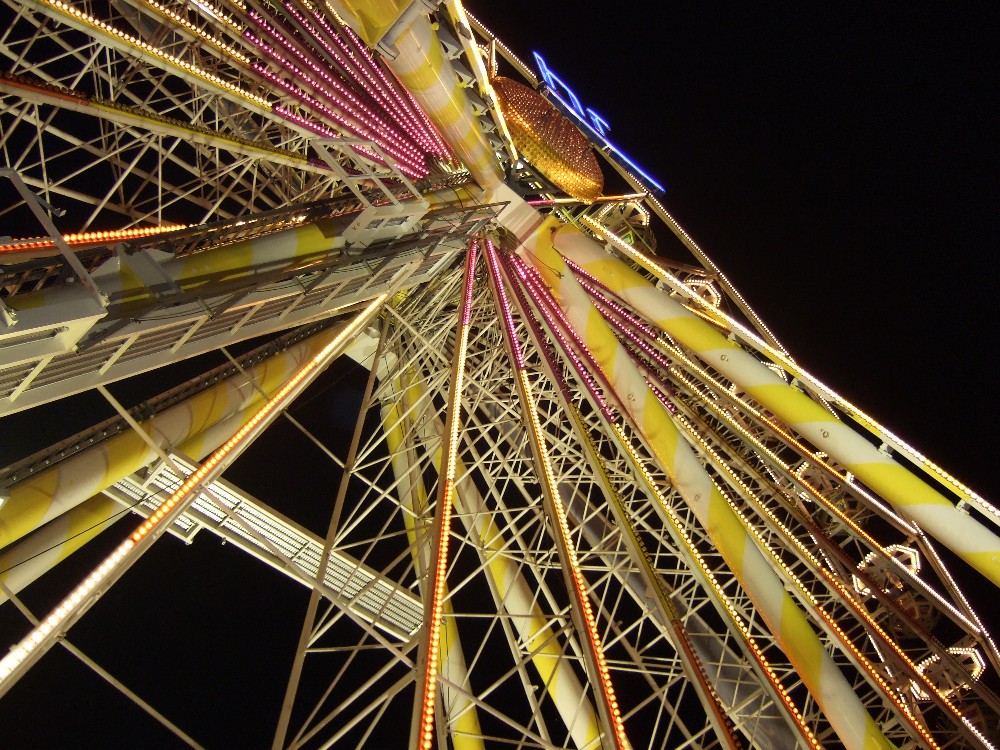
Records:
x=579, y=583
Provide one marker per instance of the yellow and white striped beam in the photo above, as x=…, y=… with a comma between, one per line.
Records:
x=32, y=647
x=907, y=493
x=780, y=357
x=459, y=710
x=290, y=250
x=24, y=562
x=49, y=493
x=36, y=554
x=514, y=595
x=684, y=646
x=827, y=684
x=716, y=592
x=688, y=651
x=584, y=619
x=436, y=589
x=423, y=69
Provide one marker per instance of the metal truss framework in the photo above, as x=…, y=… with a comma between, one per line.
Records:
x=176, y=323
x=576, y=593
x=152, y=166
x=503, y=543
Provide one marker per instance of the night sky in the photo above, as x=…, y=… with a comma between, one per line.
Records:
x=838, y=163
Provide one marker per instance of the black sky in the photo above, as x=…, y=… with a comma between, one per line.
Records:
x=839, y=162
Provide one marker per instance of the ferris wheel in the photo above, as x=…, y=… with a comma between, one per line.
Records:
x=508, y=460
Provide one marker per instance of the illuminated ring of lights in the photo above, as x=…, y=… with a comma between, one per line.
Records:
x=549, y=141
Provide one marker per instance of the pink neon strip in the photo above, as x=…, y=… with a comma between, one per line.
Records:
x=558, y=323
x=364, y=80
x=344, y=98
x=576, y=576
x=422, y=118
x=312, y=102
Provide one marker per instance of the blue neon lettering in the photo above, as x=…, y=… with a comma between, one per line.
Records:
x=557, y=84
x=543, y=69
x=587, y=117
x=601, y=125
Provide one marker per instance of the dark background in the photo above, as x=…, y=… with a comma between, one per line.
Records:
x=838, y=163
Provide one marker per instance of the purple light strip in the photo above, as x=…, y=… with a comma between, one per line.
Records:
x=467, y=310
x=444, y=148
x=373, y=71
x=605, y=304
x=630, y=334
x=445, y=151
x=380, y=89
x=491, y=259
x=322, y=130
x=593, y=283
x=661, y=397
x=585, y=367
x=345, y=98
x=551, y=312
x=364, y=79
x=402, y=164
x=375, y=127
x=300, y=120
x=312, y=103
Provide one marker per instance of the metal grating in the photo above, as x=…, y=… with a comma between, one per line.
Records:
x=288, y=547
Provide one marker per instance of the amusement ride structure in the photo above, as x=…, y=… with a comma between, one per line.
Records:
x=586, y=499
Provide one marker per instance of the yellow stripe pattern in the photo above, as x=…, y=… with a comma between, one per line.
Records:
x=831, y=690
x=536, y=633
x=373, y=18
x=467, y=734
x=907, y=493
x=24, y=562
x=50, y=493
x=422, y=68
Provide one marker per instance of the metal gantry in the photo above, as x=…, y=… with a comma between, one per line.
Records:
x=580, y=504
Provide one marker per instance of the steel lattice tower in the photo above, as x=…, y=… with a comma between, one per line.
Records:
x=586, y=499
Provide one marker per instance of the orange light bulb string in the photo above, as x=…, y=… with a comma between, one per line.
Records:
x=87, y=238
x=578, y=582
x=438, y=572
x=57, y=622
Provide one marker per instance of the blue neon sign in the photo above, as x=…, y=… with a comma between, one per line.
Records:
x=597, y=126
